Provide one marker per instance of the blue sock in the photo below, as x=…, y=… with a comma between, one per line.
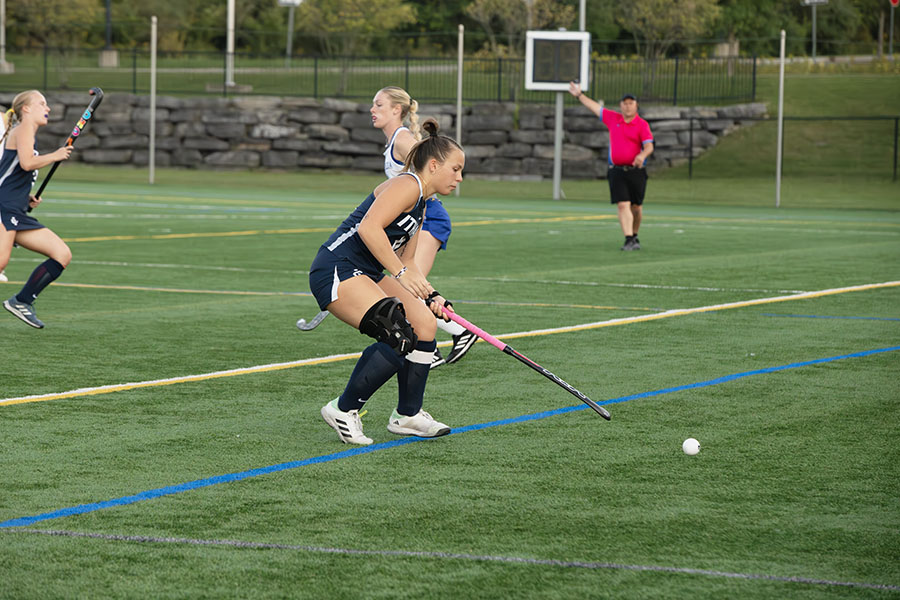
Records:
x=413, y=376
x=41, y=277
x=377, y=364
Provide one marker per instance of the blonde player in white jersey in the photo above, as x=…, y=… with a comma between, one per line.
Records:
x=391, y=108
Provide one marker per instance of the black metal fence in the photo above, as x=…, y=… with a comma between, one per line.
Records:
x=666, y=81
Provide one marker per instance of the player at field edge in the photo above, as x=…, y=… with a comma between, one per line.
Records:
x=4, y=118
x=630, y=143
x=347, y=279
x=19, y=164
x=392, y=107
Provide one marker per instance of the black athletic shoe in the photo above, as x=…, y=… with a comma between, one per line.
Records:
x=636, y=243
x=23, y=311
x=461, y=345
x=629, y=245
x=438, y=359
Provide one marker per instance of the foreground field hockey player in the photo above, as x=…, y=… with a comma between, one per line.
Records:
x=19, y=166
x=347, y=278
x=391, y=108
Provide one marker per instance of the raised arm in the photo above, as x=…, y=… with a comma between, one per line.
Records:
x=595, y=106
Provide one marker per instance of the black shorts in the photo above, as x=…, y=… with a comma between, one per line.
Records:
x=627, y=184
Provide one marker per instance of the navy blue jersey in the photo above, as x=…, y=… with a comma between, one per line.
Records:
x=15, y=182
x=345, y=242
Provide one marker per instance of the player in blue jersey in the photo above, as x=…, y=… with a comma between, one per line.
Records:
x=391, y=108
x=347, y=278
x=19, y=164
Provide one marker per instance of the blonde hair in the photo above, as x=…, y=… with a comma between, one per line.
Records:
x=409, y=107
x=434, y=146
x=13, y=116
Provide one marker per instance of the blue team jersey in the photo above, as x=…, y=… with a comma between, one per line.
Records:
x=15, y=182
x=346, y=243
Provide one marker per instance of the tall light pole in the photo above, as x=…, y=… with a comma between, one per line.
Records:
x=109, y=56
x=289, y=45
x=813, y=4
x=5, y=67
x=229, y=46
x=108, y=24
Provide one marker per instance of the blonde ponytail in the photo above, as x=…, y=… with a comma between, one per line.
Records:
x=414, y=120
x=9, y=117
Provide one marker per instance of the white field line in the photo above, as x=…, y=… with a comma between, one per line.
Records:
x=634, y=285
x=457, y=556
x=106, y=389
x=131, y=265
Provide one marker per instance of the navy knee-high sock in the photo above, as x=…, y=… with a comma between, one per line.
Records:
x=413, y=376
x=41, y=277
x=377, y=364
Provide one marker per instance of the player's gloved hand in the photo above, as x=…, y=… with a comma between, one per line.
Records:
x=435, y=301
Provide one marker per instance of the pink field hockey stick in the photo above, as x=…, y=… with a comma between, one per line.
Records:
x=506, y=348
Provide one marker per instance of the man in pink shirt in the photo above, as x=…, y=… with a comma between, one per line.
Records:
x=630, y=143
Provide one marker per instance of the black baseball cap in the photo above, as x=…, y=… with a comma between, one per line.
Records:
x=628, y=97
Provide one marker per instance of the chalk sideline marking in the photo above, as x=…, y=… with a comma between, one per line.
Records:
x=360, y=450
x=543, y=562
x=312, y=361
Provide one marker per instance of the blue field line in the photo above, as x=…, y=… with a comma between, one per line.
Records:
x=231, y=477
x=831, y=317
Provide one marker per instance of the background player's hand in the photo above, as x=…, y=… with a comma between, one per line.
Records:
x=61, y=154
x=574, y=88
x=435, y=304
x=33, y=201
x=413, y=280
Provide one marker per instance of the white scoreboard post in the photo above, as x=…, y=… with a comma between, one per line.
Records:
x=813, y=4
x=288, y=48
x=552, y=60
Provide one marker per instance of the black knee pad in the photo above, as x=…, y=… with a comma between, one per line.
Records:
x=386, y=322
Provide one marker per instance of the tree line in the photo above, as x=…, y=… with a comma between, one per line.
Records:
x=496, y=28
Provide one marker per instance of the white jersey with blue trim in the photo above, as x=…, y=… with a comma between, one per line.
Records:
x=392, y=168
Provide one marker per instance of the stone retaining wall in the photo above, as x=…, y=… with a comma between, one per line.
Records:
x=501, y=140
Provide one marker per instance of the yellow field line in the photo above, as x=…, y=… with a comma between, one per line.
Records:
x=701, y=309
x=139, y=288
x=249, y=232
x=107, y=389
x=123, y=387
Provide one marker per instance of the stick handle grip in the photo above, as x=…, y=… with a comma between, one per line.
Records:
x=474, y=329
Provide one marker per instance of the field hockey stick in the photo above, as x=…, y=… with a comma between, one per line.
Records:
x=302, y=325
x=97, y=94
x=507, y=349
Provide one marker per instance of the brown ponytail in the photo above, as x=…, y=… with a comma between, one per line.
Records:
x=433, y=146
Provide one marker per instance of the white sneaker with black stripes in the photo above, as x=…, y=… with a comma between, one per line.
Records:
x=347, y=424
x=420, y=424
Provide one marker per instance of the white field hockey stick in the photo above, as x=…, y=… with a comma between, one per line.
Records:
x=302, y=325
